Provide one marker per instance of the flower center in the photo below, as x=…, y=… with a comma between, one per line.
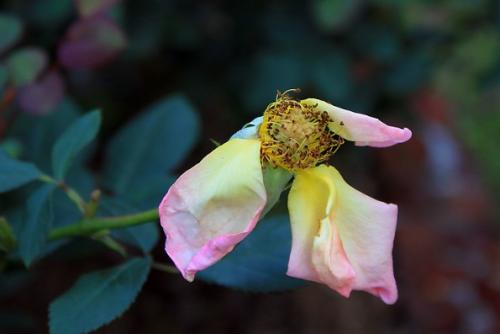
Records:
x=296, y=136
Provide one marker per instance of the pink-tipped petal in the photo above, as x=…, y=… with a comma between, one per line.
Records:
x=360, y=128
x=317, y=254
x=340, y=236
x=213, y=206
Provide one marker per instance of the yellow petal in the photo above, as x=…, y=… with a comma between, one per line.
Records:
x=317, y=253
x=213, y=206
x=340, y=236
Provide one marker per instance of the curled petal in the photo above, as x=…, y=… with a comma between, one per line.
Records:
x=250, y=130
x=340, y=236
x=213, y=206
x=360, y=128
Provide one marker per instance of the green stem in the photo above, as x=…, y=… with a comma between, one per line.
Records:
x=70, y=192
x=165, y=268
x=93, y=225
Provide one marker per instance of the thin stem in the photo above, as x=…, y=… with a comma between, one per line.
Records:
x=89, y=226
x=165, y=268
x=72, y=194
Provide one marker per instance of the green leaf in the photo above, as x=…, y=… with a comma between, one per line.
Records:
x=72, y=141
x=38, y=134
x=24, y=65
x=259, y=262
x=98, y=298
x=10, y=31
x=143, y=236
x=330, y=73
x=151, y=145
x=12, y=147
x=14, y=173
x=3, y=78
x=409, y=73
x=7, y=238
x=271, y=71
x=36, y=222
x=331, y=14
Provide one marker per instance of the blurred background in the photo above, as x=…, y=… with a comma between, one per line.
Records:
x=431, y=66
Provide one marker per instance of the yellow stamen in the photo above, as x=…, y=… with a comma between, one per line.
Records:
x=296, y=136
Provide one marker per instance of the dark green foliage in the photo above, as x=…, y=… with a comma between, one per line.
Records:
x=37, y=135
x=10, y=31
x=98, y=298
x=37, y=219
x=141, y=156
x=143, y=236
x=140, y=160
x=259, y=262
x=14, y=173
x=72, y=141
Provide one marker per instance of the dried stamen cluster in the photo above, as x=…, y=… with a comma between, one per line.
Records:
x=296, y=136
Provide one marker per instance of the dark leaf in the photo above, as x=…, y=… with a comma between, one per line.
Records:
x=14, y=173
x=259, y=262
x=4, y=76
x=98, y=298
x=143, y=236
x=35, y=224
x=72, y=141
x=332, y=14
x=38, y=134
x=10, y=31
x=142, y=153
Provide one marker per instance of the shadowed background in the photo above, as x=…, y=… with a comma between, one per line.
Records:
x=432, y=67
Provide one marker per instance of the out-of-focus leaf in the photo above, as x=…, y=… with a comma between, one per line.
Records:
x=7, y=238
x=332, y=14
x=36, y=222
x=408, y=74
x=72, y=141
x=47, y=14
x=98, y=298
x=12, y=147
x=91, y=42
x=4, y=76
x=259, y=262
x=24, y=65
x=42, y=96
x=38, y=134
x=151, y=145
x=329, y=72
x=378, y=42
x=269, y=72
x=14, y=173
x=143, y=236
x=11, y=29
x=92, y=7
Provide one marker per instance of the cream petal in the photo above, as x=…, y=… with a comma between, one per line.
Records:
x=360, y=128
x=349, y=236
x=213, y=206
